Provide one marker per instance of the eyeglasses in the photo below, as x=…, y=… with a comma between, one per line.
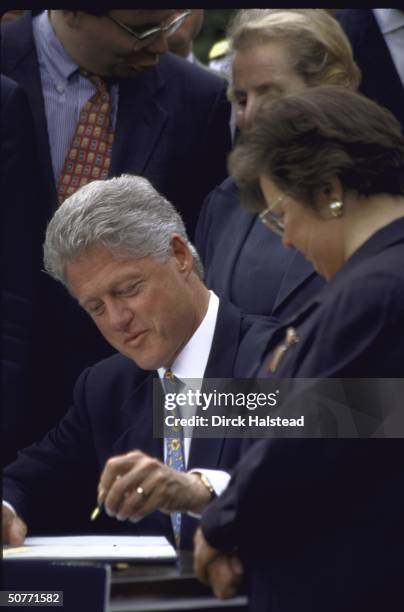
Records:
x=272, y=220
x=168, y=28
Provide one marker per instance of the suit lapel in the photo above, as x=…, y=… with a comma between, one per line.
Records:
x=237, y=233
x=137, y=419
x=140, y=121
x=225, y=343
x=206, y=452
x=378, y=54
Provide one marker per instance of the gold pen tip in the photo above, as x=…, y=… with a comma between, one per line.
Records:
x=95, y=513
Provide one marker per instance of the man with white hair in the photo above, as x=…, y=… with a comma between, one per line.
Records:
x=107, y=98
x=121, y=249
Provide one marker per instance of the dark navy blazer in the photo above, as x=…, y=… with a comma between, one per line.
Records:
x=19, y=186
x=327, y=514
x=52, y=484
x=246, y=263
x=173, y=128
x=172, y=123
x=380, y=79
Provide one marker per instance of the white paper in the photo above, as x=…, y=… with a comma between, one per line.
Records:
x=111, y=548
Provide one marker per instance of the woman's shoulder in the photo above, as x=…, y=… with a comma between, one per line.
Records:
x=375, y=281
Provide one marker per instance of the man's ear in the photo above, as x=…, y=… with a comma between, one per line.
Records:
x=182, y=254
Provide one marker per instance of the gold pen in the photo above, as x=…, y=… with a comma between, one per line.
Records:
x=97, y=510
x=101, y=495
x=95, y=513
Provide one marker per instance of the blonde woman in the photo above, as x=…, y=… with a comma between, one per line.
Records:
x=275, y=53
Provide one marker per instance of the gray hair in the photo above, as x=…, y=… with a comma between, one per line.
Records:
x=126, y=215
x=317, y=45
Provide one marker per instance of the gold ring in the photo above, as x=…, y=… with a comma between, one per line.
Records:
x=140, y=491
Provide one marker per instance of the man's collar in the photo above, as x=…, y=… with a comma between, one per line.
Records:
x=192, y=360
x=51, y=51
x=389, y=20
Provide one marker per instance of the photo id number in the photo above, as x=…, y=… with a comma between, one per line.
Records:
x=31, y=598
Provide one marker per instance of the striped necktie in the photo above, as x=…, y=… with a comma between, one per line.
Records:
x=90, y=151
x=174, y=445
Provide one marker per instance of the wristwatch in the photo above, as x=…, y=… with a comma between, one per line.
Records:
x=206, y=482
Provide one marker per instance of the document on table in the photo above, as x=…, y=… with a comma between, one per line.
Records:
x=94, y=548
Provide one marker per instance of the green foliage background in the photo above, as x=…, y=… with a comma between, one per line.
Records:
x=214, y=27
x=213, y=30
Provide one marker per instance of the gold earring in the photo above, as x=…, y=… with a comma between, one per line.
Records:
x=336, y=208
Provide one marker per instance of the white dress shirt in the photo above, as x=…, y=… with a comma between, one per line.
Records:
x=65, y=90
x=189, y=367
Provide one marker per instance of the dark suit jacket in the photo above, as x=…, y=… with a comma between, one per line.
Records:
x=380, y=80
x=173, y=128
x=246, y=263
x=53, y=484
x=328, y=513
x=19, y=188
x=172, y=123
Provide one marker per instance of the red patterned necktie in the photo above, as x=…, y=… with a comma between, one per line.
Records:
x=89, y=156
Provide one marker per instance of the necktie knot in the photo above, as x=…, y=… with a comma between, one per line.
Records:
x=171, y=383
x=94, y=78
x=100, y=83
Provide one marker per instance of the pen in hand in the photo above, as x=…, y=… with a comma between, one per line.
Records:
x=97, y=510
x=95, y=513
x=102, y=493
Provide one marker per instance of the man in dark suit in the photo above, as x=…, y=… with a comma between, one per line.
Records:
x=18, y=155
x=373, y=34
x=122, y=250
x=169, y=119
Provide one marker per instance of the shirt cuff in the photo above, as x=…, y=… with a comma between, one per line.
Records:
x=217, y=478
x=10, y=507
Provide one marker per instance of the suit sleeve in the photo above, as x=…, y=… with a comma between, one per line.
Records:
x=266, y=484
x=20, y=249
x=218, y=208
x=217, y=142
x=356, y=335
x=203, y=232
x=56, y=476
x=209, y=162
x=304, y=488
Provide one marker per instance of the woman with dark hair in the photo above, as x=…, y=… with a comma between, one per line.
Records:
x=318, y=523
x=326, y=172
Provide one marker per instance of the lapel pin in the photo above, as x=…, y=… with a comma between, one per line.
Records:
x=291, y=338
